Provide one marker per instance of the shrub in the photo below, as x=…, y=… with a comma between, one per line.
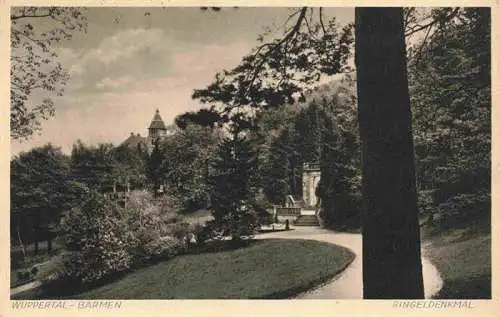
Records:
x=169, y=207
x=164, y=248
x=59, y=267
x=237, y=227
x=24, y=275
x=57, y=276
x=180, y=230
x=147, y=220
x=96, y=238
x=201, y=234
x=426, y=204
x=264, y=217
x=103, y=241
x=461, y=209
x=139, y=239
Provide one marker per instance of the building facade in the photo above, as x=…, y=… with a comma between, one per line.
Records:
x=157, y=131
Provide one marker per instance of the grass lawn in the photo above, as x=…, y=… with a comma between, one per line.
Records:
x=464, y=263
x=271, y=268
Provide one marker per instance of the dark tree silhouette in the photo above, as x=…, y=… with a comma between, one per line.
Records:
x=154, y=165
x=391, y=243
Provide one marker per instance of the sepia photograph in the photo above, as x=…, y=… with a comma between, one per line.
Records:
x=234, y=152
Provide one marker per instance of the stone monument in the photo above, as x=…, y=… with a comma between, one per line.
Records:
x=310, y=178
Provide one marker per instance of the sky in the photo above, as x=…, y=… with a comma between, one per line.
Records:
x=132, y=61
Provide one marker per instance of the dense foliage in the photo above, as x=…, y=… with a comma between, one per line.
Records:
x=450, y=90
x=234, y=185
x=129, y=167
x=105, y=167
x=153, y=169
x=45, y=183
x=322, y=130
x=279, y=159
x=93, y=165
x=101, y=240
x=186, y=158
x=96, y=237
x=151, y=227
x=279, y=70
x=41, y=190
x=339, y=188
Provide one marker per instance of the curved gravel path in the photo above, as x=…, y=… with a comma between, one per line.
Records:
x=349, y=283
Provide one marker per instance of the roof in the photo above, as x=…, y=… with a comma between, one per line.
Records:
x=157, y=122
x=134, y=140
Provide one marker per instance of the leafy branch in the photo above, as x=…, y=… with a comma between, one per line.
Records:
x=280, y=70
x=34, y=64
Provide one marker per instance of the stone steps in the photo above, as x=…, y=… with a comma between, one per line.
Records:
x=307, y=220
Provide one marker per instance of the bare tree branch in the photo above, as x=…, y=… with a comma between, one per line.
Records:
x=424, y=41
x=321, y=20
x=311, y=33
x=275, y=46
x=408, y=16
x=433, y=22
x=291, y=16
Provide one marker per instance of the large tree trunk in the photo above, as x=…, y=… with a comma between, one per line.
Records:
x=391, y=241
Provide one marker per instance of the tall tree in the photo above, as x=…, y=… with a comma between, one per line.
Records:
x=340, y=162
x=130, y=166
x=234, y=186
x=154, y=165
x=94, y=165
x=450, y=88
x=41, y=190
x=187, y=157
x=391, y=240
x=280, y=159
x=275, y=169
x=34, y=65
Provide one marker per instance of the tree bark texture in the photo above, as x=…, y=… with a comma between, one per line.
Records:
x=391, y=239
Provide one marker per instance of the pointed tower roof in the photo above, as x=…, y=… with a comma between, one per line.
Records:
x=157, y=122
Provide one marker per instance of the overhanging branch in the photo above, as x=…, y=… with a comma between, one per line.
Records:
x=274, y=47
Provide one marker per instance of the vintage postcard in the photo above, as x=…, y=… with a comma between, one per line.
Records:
x=239, y=158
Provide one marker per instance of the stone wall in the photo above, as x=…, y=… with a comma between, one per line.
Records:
x=288, y=211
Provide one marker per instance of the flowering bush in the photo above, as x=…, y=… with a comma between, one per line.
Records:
x=96, y=239
x=148, y=220
x=102, y=240
x=164, y=248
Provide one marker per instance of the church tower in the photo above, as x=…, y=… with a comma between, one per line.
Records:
x=157, y=129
